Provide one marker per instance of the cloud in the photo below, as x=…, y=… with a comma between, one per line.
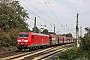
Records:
x=41, y=1
x=75, y=1
x=80, y=5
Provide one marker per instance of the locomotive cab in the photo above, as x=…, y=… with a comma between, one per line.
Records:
x=23, y=41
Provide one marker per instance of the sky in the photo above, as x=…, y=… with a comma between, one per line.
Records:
x=61, y=13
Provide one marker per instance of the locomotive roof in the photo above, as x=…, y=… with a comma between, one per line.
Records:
x=33, y=33
x=41, y=34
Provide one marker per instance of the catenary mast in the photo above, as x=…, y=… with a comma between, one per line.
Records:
x=77, y=32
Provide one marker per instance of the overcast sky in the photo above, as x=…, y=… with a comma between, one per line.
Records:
x=62, y=13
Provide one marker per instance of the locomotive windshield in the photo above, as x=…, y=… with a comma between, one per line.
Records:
x=23, y=35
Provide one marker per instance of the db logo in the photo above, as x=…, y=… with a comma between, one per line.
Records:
x=22, y=40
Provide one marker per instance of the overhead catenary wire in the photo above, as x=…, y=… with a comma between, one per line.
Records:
x=38, y=10
x=44, y=13
x=41, y=12
x=52, y=11
x=32, y=13
x=56, y=15
x=38, y=15
x=48, y=7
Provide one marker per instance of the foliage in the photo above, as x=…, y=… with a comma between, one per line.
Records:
x=74, y=54
x=12, y=20
x=85, y=43
x=51, y=33
x=4, y=39
x=37, y=30
x=83, y=52
x=8, y=38
x=67, y=35
x=12, y=15
x=88, y=30
x=13, y=33
x=45, y=31
x=69, y=54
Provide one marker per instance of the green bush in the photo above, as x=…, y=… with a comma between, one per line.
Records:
x=74, y=53
x=85, y=43
x=13, y=35
x=69, y=54
x=4, y=39
x=83, y=52
x=8, y=38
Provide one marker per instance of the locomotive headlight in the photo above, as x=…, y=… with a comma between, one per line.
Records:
x=18, y=40
x=25, y=40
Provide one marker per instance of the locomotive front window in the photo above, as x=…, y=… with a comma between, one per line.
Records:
x=23, y=35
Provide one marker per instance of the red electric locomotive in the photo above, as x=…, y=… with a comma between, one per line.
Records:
x=32, y=40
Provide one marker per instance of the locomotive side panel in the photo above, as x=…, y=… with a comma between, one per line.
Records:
x=40, y=40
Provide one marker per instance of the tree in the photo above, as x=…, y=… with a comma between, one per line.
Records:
x=69, y=35
x=51, y=33
x=12, y=15
x=12, y=20
x=86, y=40
x=88, y=30
x=83, y=52
x=85, y=43
x=45, y=31
x=37, y=30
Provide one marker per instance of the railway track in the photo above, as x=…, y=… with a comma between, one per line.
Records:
x=41, y=54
